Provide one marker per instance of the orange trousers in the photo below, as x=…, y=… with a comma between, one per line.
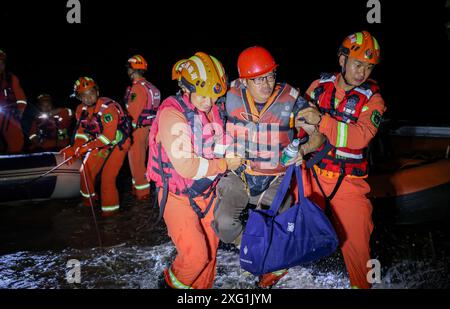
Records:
x=352, y=220
x=137, y=160
x=195, y=240
x=11, y=135
x=108, y=162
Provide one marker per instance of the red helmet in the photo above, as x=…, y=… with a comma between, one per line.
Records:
x=255, y=61
x=137, y=62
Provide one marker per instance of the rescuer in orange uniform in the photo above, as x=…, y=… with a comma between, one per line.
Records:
x=12, y=105
x=187, y=145
x=102, y=135
x=142, y=100
x=51, y=128
x=347, y=111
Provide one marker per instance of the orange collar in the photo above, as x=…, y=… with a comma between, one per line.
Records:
x=270, y=101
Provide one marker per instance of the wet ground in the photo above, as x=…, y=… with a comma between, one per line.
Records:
x=38, y=239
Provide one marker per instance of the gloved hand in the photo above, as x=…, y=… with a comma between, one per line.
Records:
x=81, y=151
x=67, y=153
x=316, y=139
x=310, y=115
x=308, y=128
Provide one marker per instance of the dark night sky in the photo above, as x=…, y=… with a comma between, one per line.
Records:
x=48, y=54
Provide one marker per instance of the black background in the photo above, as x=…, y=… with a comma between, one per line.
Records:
x=48, y=54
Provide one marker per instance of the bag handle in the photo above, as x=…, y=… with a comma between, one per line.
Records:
x=284, y=186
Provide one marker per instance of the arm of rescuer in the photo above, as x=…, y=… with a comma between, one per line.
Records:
x=174, y=135
x=80, y=138
x=21, y=98
x=136, y=102
x=315, y=138
x=350, y=135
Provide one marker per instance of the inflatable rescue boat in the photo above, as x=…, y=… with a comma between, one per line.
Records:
x=20, y=179
x=412, y=184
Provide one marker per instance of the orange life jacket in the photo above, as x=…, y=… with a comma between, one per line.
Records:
x=93, y=125
x=340, y=159
x=261, y=137
x=153, y=100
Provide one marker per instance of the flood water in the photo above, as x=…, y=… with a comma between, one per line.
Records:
x=38, y=239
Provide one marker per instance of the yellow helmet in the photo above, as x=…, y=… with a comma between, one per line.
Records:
x=202, y=74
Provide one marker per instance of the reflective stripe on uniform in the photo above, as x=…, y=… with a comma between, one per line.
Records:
x=202, y=169
x=110, y=208
x=326, y=80
x=104, y=139
x=21, y=102
x=83, y=136
x=142, y=187
x=119, y=137
x=367, y=92
x=176, y=283
x=86, y=195
x=342, y=135
x=32, y=136
x=349, y=155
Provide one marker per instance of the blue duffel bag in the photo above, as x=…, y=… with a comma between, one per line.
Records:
x=299, y=235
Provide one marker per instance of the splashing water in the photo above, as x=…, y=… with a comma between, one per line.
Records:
x=38, y=240
x=140, y=267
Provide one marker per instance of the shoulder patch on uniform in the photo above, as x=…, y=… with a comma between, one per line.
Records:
x=133, y=96
x=376, y=118
x=107, y=118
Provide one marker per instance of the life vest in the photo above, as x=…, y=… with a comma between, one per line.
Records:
x=203, y=135
x=7, y=96
x=261, y=137
x=339, y=159
x=153, y=100
x=93, y=125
